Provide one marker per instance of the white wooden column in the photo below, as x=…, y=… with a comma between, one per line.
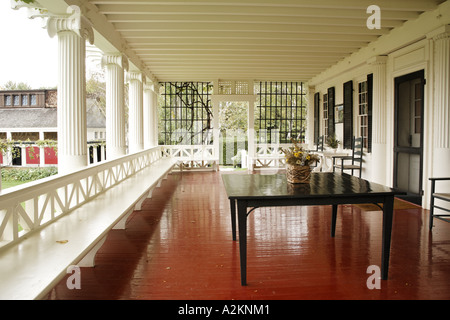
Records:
x=251, y=123
x=251, y=131
x=310, y=118
x=155, y=94
x=72, y=31
x=215, y=103
x=379, y=113
x=41, y=150
x=215, y=127
x=441, y=127
x=135, y=112
x=115, y=64
x=149, y=116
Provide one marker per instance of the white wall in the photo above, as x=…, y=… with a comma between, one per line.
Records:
x=408, y=49
x=356, y=74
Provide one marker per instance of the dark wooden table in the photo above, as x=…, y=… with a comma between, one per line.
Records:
x=257, y=190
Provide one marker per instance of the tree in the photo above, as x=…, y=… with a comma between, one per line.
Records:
x=11, y=85
x=96, y=90
x=233, y=116
x=185, y=112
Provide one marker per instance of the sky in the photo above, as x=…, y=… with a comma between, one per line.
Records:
x=27, y=53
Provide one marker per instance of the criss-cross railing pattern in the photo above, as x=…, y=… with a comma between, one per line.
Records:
x=270, y=155
x=29, y=207
x=191, y=156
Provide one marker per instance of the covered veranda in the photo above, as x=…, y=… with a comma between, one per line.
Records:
x=177, y=243
x=179, y=247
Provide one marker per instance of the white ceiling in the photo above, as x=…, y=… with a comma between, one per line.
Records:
x=245, y=39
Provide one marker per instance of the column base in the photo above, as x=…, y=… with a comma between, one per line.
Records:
x=71, y=163
x=115, y=152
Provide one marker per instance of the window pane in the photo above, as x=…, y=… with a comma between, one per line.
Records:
x=7, y=100
x=363, y=112
x=281, y=111
x=24, y=100
x=418, y=108
x=33, y=100
x=418, y=91
x=185, y=113
x=16, y=100
x=418, y=125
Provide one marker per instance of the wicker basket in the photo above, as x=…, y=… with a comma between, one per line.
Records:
x=297, y=173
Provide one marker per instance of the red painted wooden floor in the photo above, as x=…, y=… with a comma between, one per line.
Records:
x=180, y=247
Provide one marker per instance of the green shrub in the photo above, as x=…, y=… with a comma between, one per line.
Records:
x=28, y=174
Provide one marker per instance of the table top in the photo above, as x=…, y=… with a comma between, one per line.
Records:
x=322, y=184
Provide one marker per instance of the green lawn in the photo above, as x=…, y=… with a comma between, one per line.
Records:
x=12, y=177
x=9, y=184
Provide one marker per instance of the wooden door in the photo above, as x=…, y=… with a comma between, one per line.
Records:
x=408, y=135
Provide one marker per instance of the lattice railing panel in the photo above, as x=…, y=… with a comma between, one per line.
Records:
x=27, y=208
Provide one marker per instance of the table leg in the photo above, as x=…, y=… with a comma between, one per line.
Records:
x=388, y=213
x=242, y=220
x=233, y=218
x=333, y=220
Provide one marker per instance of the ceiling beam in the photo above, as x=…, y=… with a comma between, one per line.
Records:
x=194, y=27
x=408, y=5
x=244, y=43
x=269, y=20
x=140, y=37
x=170, y=13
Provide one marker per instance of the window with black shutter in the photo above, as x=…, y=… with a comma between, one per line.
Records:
x=369, y=111
x=331, y=105
x=348, y=114
x=325, y=117
x=365, y=112
x=316, y=116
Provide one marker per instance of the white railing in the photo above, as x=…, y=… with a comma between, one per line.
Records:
x=271, y=150
x=192, y=156
x=31, y=206
x=269, y=155
x=36, y=153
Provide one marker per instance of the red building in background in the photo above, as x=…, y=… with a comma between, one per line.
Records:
x=29, y=118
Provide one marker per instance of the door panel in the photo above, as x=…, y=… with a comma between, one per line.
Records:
x=408, y=137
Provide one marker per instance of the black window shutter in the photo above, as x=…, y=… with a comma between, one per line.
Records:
x=316, y=116
x=369, y=110
x=331, y=106
x=348, y=114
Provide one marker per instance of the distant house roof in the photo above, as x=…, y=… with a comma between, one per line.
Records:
x=28, y=118
x=94, y=117
x=46, y=117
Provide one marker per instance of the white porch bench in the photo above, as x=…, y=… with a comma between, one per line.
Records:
x=33, y=264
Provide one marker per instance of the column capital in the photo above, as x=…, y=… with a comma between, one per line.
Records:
x=115, y=58
x=148, y=86
x=72, y=21
x=442, y=32
x=135, y=76
x=377, y=60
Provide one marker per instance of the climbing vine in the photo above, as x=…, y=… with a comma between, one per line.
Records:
x=15, y=146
